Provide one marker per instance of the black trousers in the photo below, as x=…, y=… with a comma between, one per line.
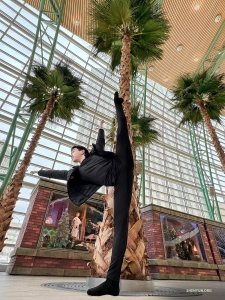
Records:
x=122, y=195
x=122, y=192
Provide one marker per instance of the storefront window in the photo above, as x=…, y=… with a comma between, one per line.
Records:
x=219, y=234
x=71, y=227
x=182, y=239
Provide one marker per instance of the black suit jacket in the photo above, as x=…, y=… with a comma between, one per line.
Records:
x=79, y=190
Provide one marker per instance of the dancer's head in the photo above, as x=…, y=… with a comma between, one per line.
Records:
x=78, y=153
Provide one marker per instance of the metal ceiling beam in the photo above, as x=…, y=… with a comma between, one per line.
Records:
x=218, y=61
x=206, y=57
x=204, y=172
x=159, y=3
x=138, y=92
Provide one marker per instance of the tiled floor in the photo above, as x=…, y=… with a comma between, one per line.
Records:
x=29, y=287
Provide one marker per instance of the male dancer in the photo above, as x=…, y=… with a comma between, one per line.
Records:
x=99, y=168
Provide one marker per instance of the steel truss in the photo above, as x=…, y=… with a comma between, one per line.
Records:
x=203, y=166
x=138, y=94
x=212, y=60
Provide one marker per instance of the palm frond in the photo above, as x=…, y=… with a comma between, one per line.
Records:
x=191, y=118
x=69, y=76
x=41, y=86
x=189, y=90
x=147, y=27
x=34, y=87
x=219, y=100
x=116, y=57
x=144, y=133
x=40, y=71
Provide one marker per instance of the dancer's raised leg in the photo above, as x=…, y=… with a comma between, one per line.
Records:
x=122, y=194
x=122, y=198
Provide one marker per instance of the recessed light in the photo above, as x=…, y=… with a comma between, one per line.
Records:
x=151, y=68
x=166, y=79
x=197, y=6
x=179, y=47
x=217, y=18
x=76, y=21
x=196, y=59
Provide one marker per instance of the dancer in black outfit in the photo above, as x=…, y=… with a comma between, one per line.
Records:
x=99, y=168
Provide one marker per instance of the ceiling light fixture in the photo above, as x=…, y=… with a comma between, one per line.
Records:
x=196, y=59
x=217, y=18
x=197, y=6
x=179, y=47
x=77, y=22
x=151, y=68
x=166, y=79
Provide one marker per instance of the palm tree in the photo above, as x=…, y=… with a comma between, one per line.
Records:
x=131, y=31
x=54, y=96
x=200, y=98
x=144, y=134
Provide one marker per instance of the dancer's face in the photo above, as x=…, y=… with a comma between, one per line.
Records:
x=77, y=155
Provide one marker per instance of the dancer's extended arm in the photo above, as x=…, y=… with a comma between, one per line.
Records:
x=55, y=174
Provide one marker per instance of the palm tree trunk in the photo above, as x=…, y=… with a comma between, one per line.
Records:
x=135, y=265
x=9, y=197
x=103, y=245
x=212, y=133
x=125, y=90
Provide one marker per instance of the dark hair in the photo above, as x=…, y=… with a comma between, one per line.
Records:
x=80, y=148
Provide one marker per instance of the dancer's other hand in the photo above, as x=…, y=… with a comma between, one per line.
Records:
x=101, y=124
x=34, y=172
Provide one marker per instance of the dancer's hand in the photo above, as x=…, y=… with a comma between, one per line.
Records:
x=33, y=172
x=101, y=124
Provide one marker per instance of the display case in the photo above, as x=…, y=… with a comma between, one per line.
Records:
x=182, y=246
x=51, y=241
x=68, y=226
x=219, y=234
x=182, y=239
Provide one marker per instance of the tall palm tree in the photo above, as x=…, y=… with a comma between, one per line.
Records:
x=131, y=31
x=54, y=95
x=200, y=98
x=144, y=134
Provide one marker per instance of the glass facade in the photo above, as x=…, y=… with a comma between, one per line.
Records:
x=171, y=177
